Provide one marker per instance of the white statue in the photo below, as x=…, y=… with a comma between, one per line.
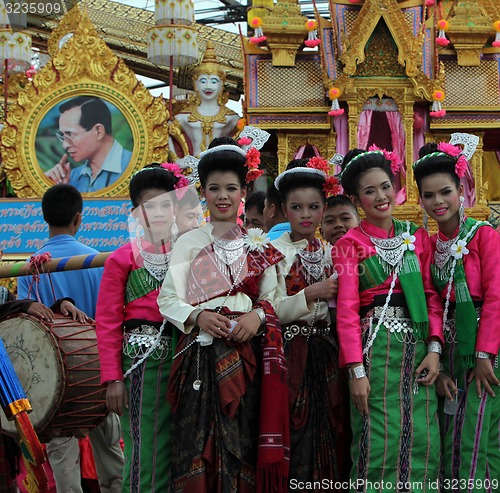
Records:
x=204, y=116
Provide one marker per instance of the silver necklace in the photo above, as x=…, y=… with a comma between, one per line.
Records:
x=390, y=250
x=313, y=263
x=228, y=254
x=443, y=251
x=155, y=263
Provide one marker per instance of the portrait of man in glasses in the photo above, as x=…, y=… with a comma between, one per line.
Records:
x=85, y=133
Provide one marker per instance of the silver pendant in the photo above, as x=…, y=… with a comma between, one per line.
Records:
x=197, y=384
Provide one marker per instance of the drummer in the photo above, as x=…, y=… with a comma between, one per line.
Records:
x=83, y=287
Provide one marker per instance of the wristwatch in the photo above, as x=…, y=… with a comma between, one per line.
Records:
x=356, y=373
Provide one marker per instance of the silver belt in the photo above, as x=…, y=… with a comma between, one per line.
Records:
x=450, y=329
x=137, y=341
x=396, y=320
x=290, y=331
x=391, y=312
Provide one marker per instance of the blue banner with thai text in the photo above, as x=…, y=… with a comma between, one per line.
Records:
x=23, y=230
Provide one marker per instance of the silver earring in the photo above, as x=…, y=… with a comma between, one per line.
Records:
x=139, y=231
x=461, y=210
x=174, y=230
x=425, y=221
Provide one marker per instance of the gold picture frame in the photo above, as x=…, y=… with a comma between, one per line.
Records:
x=81, y=65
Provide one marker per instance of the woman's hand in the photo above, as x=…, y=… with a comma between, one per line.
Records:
x=246, y=328
x=68, y=309
x=445, y=386
x=360, y=390
x=116, y=397
x=483, y=373
x=214, y=324
x=431, y=365
x=324, y=290
x=40, y=311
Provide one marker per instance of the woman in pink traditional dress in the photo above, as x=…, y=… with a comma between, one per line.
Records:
x=318, y=393
x=135, y=348
x=217, y=294
x=466, y=271
x=389, y=322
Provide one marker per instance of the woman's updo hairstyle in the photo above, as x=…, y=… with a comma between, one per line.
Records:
x=303, y=177
x=356, y=162
x=433, y=161
x=152, y=176
x=223, y=154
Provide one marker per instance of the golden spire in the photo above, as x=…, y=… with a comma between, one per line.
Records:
x=209, y=64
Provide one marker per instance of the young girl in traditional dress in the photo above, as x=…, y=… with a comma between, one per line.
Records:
x=318, y=394
x=217, y=294
x=466, y=270
x=389, y=322
x=131, y=338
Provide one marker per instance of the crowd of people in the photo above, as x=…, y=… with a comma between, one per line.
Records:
x=264, y=358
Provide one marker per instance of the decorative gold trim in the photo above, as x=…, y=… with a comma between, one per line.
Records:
x=289, y=143
x=83, y=66
x=409, y=47
x=469, y=38
x=285, y=31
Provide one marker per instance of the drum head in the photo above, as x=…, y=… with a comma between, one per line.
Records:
x=37, y=361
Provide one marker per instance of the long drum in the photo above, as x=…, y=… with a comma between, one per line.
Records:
x=58, y=367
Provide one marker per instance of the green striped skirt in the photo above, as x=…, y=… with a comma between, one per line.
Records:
x=471, y=437
x=396, y=447
x=146, y=423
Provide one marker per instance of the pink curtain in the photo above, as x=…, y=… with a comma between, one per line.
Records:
x=419, y=128
x=398, y=141
x=341, y=126
x=300, y=153
x=469, y=188
x=364, y=126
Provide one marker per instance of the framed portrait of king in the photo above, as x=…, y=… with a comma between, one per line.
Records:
x=90, y=123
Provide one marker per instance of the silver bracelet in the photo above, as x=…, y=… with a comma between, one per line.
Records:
x=483, y=355
x=441, y=367
x=356, y=372
x=261, y=314
x=434, y=347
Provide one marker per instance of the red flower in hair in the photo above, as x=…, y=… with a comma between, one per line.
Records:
x=319, y=163
x=331, y=186
x=253, y=158
x=253, y=174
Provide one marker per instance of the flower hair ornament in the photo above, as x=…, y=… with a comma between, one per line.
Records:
x=249, y=138
x=391, y=156
x=182, y=181
x=252, y=159
x=315, y=166
x=462, y=156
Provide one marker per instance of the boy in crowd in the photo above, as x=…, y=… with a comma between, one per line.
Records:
x=339, y=217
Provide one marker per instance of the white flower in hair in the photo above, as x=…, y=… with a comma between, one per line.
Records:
x=256, y=240
x=459, y=249
x=409, y=241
